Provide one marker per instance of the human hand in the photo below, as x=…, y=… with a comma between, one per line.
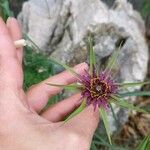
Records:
x=22, y=126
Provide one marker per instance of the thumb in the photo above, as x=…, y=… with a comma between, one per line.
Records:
x=85, y=123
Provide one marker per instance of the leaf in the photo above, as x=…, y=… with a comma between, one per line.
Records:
x=93, y=146
x=67, y=87
x=135, y=93
x=125, y=104
x=111, y=147
x=30, y=43
x=101, y=141
x=105, y=121
x=92, y=56
x=5, y=10
x=77, y=111
x=145, y=144
x=113, y=59
x=67, y=68
x=114, y=115
x=125, y=85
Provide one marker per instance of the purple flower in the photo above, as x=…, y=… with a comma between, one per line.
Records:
x=98, y=88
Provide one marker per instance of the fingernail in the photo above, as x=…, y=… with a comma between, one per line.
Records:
x=10, y=19
x=84, y=64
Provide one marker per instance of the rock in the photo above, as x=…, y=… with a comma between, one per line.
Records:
x=109, y=2
x=147, y=24
x=137, y=4
x=60, y=28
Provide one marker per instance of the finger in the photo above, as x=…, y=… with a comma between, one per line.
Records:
x=58, y=111
x=85, y=123
x=15, y=32
x=39, y=94
x=10, y=69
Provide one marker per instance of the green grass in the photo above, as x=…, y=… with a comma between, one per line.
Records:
x=5, y=11
x=37, y=67
x=145, y=10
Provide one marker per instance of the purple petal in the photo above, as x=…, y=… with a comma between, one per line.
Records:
x=103, y=103
x=85, y=93
x=95, y=104
x=88, y=101
x=94, y=72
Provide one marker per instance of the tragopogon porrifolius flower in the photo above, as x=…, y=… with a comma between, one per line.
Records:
x=100, y=89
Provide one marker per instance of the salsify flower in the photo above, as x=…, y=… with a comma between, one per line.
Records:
x=100, y=89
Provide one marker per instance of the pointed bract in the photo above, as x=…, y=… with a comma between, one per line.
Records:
x=106, y=124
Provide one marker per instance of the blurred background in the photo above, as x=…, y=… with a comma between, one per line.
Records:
x=38, y=66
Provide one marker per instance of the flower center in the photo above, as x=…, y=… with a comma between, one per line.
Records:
x=98, y=88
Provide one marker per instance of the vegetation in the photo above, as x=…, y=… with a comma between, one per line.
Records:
x=145, y=9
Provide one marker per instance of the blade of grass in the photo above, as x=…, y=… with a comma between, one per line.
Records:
x=102, y=141
x=5, y=10
x=77, y=111
x=114, y=115
x=67, y=68
x=145, y=144
x=67, y=87
x=92, y=56
x=93, y=146
x=125, y=85
x=112, y=60
x=105, y=121
x=135, y=93
x=125, y=104
x=5, y=5
x=30, y=42
x=111, y=147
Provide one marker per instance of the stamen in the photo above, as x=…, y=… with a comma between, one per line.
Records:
x=98, y=88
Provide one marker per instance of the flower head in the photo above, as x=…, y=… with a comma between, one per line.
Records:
x=98, y=89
